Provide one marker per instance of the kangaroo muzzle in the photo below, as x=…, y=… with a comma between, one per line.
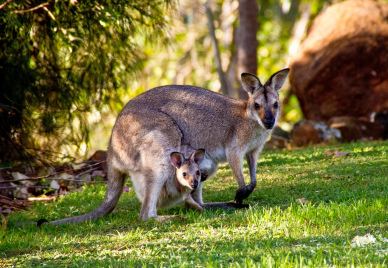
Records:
x=269, y=122
x=194, y=184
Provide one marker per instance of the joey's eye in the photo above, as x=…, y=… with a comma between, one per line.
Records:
x=198, y=173
x=184, y=174
x=276, y=105
x=257, y=106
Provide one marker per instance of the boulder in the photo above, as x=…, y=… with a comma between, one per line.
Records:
x=308, y=132
x=353, y=128
x=342, y=66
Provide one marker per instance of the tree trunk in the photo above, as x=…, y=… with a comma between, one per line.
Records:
x=247, y=40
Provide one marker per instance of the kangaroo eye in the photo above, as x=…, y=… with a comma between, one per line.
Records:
x=276, y=105
x=184, y=174
x=257, y=106
x=198, y=173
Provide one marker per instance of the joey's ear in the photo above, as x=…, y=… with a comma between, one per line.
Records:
x=250, y=82
x=198, y=156
x=277, y=80
x=176, y=159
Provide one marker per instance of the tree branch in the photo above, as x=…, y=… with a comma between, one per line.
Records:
x=212, y=32
x=247, y=45
x=299, y=31
x=231, y=70
x=31, y=9
x=5, y=3
x=49, y=13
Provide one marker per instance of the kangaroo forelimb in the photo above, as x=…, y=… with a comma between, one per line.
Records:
x=243, y=193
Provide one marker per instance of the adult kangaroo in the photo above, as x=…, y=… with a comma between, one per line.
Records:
x=161, y=120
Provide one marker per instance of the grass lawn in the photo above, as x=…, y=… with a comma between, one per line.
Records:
x=305, y=211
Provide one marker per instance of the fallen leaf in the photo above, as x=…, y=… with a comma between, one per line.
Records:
x=42, y=198
x=65, y=176
x=19, y=176
x=20, y=191
x=336, y=153
x=98, y=173
x=54, y=185
x=303, y=201
x=360, y=241
x=78, y=166
x=85, y=177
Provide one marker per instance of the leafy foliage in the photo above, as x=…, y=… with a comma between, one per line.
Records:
x=189, y=59
x=80, y=57
x=58, y=59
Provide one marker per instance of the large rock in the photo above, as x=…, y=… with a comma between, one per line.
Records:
x=353, y=128
x=308, y=132
x=342, y=67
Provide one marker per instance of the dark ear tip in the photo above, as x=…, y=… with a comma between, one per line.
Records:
x=286, y=69
x=247, y=74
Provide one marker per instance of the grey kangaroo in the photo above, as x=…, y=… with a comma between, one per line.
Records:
x=176, y=190
x=187, y=178
x=169, y=116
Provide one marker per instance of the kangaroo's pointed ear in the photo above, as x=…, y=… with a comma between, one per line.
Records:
x=176, y=159
x=198, y=156
x=277, y=80
x=250, y=82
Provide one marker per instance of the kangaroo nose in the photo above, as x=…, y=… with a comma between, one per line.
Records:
x=195, y=184
x=269, y=123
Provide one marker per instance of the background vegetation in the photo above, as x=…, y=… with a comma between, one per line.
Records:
x=68, y=67
x=62, y=60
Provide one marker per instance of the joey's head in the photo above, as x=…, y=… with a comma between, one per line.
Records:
x=187, y=172
x=263, y=102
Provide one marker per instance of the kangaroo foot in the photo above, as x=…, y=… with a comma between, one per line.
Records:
x=243, y=193
x=224, y=205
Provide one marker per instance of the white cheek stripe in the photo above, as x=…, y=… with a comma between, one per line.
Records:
x=184, y=183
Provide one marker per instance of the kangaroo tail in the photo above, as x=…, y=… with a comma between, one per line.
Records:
x=113, y=193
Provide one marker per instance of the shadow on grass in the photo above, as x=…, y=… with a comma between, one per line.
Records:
x=218, y=251
x=318, y=153
x=340, y=181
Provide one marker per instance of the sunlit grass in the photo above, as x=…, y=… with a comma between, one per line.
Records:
x=307, y=208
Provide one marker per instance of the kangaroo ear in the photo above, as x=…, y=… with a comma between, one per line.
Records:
x=176, y=159
x=198, y=156
x=277, y=80
x=250, y=82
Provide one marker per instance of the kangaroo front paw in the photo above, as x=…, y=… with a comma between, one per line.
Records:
x=243, y=193
x=40, y=222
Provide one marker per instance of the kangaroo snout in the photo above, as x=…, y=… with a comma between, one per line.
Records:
x=194, y=184
x=269, y=122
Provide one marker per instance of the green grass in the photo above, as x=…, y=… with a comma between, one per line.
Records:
x=345, y=196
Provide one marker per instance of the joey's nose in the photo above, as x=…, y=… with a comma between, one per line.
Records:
x=195, y=184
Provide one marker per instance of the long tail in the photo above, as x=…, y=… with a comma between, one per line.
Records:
x=114, y=190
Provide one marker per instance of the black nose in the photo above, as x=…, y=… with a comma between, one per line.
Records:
x=195, y=184
x=269, y=123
